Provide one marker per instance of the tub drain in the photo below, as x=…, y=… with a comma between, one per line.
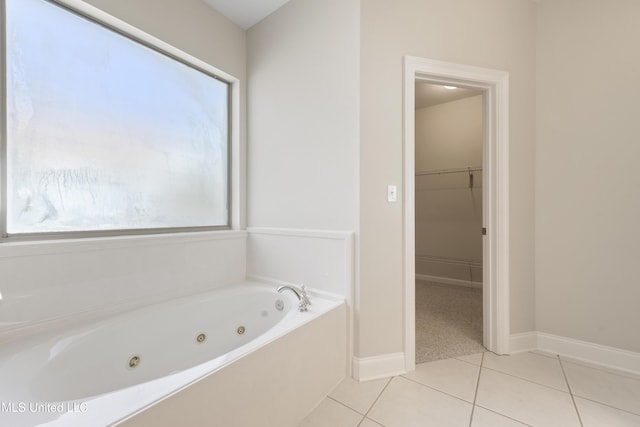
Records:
x=134, y=361
x=200, y=338
x=240, y=330
x=279, y=305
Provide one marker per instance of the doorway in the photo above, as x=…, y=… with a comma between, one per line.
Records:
x=495, y=242
x=448, y=221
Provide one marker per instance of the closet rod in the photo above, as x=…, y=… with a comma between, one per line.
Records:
x=456, y=170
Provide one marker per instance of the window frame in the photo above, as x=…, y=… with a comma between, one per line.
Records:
x=119, y=27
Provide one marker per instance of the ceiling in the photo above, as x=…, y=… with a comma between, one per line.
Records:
x=429, y=94
x=246, y=13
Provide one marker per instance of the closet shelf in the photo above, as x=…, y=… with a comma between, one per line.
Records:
x=468, y=169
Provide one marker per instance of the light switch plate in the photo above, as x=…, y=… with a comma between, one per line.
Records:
x=392, y=193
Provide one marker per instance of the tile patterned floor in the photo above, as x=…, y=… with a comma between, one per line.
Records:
x=485, y=390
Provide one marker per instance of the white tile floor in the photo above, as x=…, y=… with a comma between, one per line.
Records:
x=485, y=390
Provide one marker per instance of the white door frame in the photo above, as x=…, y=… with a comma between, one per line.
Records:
x=495, y=194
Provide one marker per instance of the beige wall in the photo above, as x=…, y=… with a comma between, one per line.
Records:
x=449, y=135
x=189, y=25
x=587, y=180
x=448, y=214
x=303, y=116
x=574, y=276
x=497, y=34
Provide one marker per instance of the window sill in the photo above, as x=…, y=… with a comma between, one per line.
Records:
x=44, y=247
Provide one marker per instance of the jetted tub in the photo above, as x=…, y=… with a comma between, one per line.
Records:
x=103, y=373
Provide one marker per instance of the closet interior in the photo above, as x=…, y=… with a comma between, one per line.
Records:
x=448, y=221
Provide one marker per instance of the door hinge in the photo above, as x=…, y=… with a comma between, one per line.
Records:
x=484, y=231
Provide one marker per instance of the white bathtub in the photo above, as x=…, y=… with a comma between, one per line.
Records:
x=115, y=370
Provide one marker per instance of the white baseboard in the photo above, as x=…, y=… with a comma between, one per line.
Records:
x=596, y=354
x=448, y=281
x=372, y=368
x=522, y=342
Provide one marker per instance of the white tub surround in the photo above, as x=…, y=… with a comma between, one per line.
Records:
x=323, y=260
x=66, y=301
x=51, y=284
x=107, y=371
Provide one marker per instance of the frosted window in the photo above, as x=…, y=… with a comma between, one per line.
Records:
x=104, y=133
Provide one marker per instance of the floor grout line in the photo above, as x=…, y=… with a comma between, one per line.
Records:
x=528, y=380
x=609, y=405
x=344, y=404
x=365, y=418
x=366, y=415
x=503, y=415
x=570, y=391
x=475, y=396
x=456, y=359
x=465, y=361
x=602, y=368
x=361, y=421
x=542, y=353
x=435, y=389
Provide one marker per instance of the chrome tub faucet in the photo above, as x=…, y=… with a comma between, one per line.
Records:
x=301, y=293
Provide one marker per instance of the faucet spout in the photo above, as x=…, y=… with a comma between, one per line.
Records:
x=300, y=293
x=292, y=289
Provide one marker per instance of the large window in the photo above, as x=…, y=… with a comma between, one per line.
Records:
x=102, y=132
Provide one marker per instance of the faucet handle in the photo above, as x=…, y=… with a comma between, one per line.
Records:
x=302, y=306
x=305, y=297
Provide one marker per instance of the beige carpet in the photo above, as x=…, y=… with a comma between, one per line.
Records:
x=448, y=321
